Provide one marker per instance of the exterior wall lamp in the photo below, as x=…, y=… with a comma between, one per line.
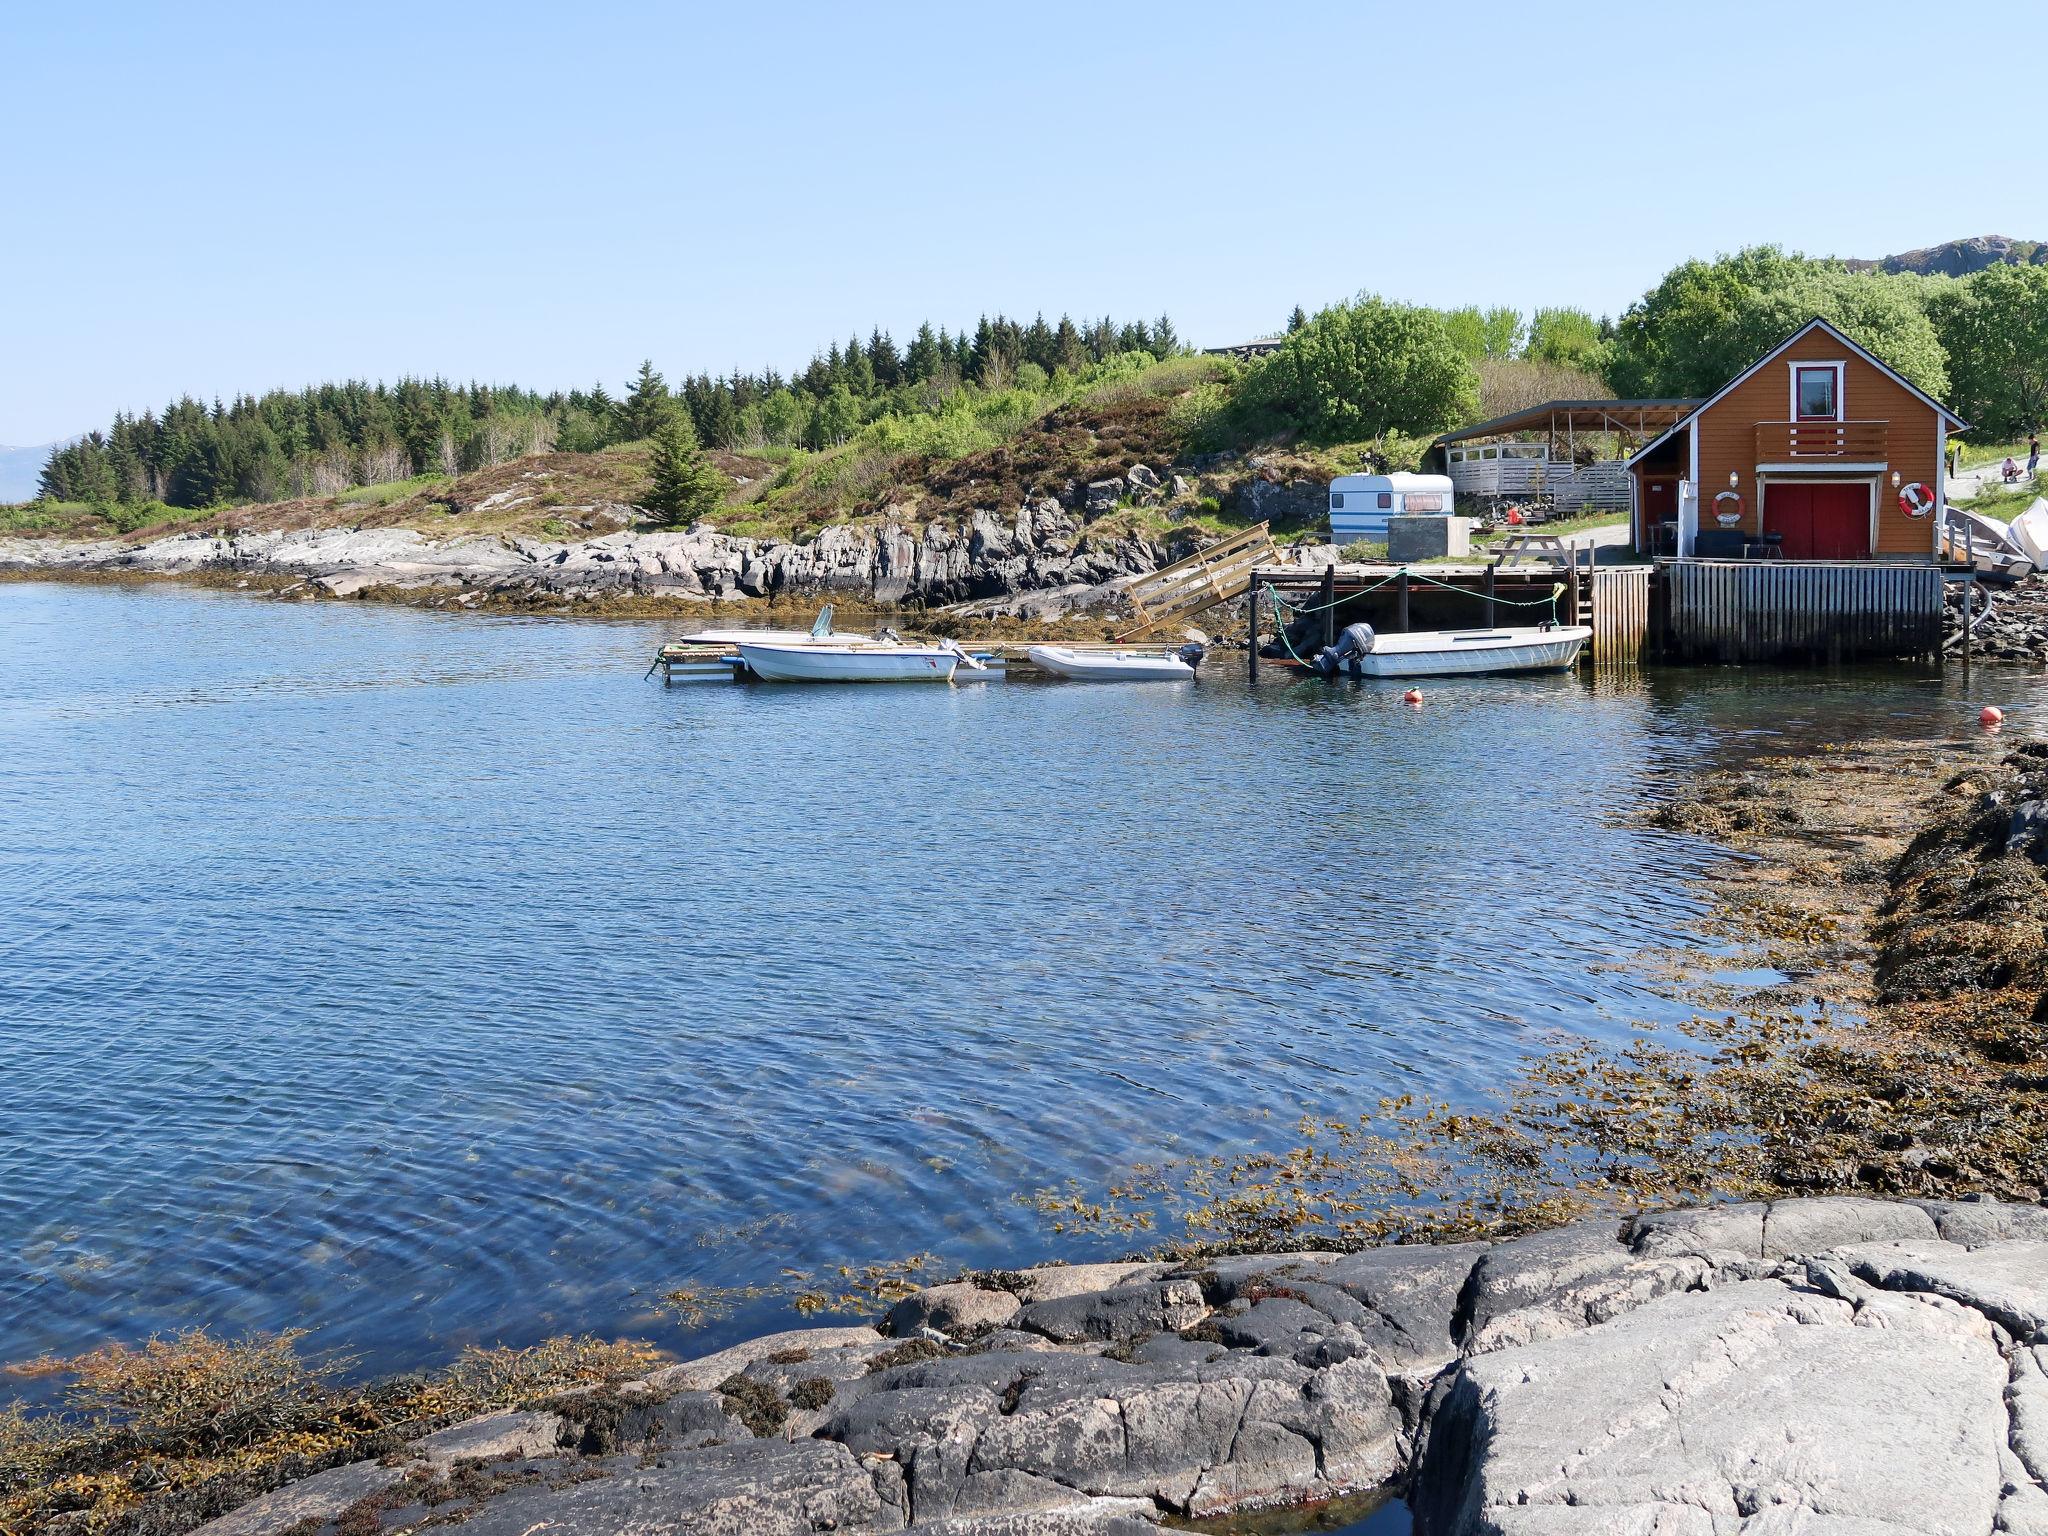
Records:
x=1895, y=479
x=1734, y=480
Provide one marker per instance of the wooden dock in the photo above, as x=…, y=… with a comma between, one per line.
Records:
x=1799, y=611
x=1614, y=601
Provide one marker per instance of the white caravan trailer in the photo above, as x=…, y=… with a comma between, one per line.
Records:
x=1361, y=504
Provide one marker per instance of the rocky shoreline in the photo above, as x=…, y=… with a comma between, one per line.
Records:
x=1045, y=557
x=1813, y=1365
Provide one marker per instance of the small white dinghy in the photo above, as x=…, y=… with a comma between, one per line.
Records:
x=876, y=662
x=1176, y=666
x=1359, y=652
x=2030, y=532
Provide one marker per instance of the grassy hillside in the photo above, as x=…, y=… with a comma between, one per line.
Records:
x=987, y=459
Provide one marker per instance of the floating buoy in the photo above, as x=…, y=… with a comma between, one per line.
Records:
x=1990, y=717
x=1412, y=696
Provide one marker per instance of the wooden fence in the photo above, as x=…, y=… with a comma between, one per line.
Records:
x=1177, y=592
x=1806, y=611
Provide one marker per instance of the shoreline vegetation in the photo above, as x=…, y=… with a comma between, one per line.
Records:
x=1897, y=888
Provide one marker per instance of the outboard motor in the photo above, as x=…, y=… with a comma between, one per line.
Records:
x=1356, y=641
x=1192, y=653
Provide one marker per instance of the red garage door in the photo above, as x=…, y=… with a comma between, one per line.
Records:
x=1820, y=522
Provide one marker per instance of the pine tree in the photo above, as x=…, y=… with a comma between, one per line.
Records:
x=883, y=361
x=921, y=362
x=687, y=485
x=1068, y=350
x=1297, y=321
x=721, y=417
x=1164, y=342
x=647, y=402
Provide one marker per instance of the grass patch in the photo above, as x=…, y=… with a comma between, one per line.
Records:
x=386, y=492
x=1994, y=453
x=2004, y=502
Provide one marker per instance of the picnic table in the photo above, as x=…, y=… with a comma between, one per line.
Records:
x=1548, y=546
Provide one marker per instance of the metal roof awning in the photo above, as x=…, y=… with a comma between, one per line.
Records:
x=1633, y=418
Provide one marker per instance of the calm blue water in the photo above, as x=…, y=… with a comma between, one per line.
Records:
x=430, y=979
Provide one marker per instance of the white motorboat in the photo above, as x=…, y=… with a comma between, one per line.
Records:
x=1461, y=652
x=1117, y=666
x=820, y=633
x=1971, y=538
x=808, y=661
x=2030, y=532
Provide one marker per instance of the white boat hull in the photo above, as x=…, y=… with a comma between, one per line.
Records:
x=1110, y=666
x=1462, y=652
x=2030, y=532
x=814, y=663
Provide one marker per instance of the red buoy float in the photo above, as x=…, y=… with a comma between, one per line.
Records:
x=1991, y=717
x=1916, y=500
x=1412, y=696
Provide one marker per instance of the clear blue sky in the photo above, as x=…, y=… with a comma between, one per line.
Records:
x=214, y=198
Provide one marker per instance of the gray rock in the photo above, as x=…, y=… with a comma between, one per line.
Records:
x=1559, y=1282
x=1142, y=477
x=1797, y=1228
x=1103, y=495
x=1975, y=1223
x=1273, y=1327
x=2007, y=1283
x=760, y=1488
x=1754, y=1407
x=1121, y=1312
x=1084, y=1517
x=951, y=1307
x=320, y=1497
x=710, y=1370
x=505, y=1433
x=1412, y=1295
x=1717, y=1232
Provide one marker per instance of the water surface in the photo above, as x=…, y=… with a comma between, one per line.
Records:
x=430, y=978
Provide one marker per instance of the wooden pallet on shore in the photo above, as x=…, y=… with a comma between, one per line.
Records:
x=1178, y=592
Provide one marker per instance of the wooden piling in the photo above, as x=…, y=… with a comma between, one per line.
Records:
x=1491, y=621
x=1252, y=651
x=1328, y=598
x=1404, y=599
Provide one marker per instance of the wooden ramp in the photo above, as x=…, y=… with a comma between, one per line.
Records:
x=1175, y=593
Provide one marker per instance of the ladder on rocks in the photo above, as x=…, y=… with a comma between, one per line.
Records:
x=1176, y=593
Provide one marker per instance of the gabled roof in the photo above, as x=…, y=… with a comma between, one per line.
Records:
x=1816, y=323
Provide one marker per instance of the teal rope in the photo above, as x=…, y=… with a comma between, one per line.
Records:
x=1282, y=606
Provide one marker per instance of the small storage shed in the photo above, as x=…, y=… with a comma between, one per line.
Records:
x=1361, y=504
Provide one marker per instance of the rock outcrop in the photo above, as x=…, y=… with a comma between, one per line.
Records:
x=1038, y=550
x=1845, y=1366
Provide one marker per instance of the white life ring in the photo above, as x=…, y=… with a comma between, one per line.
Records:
x=1916, y=500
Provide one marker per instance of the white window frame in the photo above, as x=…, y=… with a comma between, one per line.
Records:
x=1841, y=389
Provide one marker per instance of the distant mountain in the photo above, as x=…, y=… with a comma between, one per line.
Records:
x=19, y=470
x=1959, y=258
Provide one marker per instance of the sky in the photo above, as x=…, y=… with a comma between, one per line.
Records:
x=218, y=198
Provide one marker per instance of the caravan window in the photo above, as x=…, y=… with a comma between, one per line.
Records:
x=1336, y=501
x=1386, y=498
x=1418, y=502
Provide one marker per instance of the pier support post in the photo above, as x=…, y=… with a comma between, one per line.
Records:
x=1575, y=587
x=1404, y=599
x=1490, y=619
x=1328, y=598
x=1252, y=623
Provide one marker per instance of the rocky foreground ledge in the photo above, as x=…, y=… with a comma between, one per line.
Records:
x=1843, y=1366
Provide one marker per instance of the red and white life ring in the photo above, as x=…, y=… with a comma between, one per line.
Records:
x=1916, y=500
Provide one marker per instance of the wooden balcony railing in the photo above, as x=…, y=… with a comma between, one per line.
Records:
x=1786, y=442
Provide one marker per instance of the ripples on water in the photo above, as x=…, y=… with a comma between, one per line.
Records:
x=432, y=979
